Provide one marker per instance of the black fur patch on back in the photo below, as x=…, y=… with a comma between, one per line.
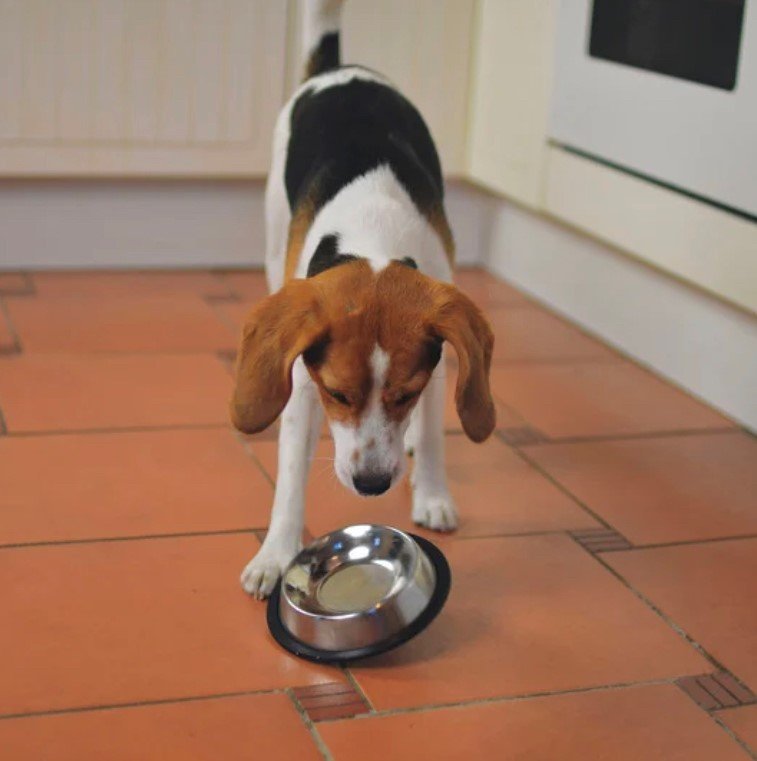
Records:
x=327, y=255
x=408, y=261
x=326, y=56
x=342, y=132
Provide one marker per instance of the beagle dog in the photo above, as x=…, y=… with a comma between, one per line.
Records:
x=359, y=264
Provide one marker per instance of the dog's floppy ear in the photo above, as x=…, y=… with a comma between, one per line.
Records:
x=459, y=321
x=277, y=331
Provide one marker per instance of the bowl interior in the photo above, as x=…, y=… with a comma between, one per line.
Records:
x=350, y=571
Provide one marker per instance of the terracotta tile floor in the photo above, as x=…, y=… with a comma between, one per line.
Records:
x=123, y=323
x=603, y=571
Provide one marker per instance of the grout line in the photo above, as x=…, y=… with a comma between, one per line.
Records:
x=16, y=347
x=28, y=289
x=679, y=630
x=139, y=538
x=505, y=699
x=310, y=725
x=688, y=542
x=505, y=535
x=138, y=704
x=96, y=354
x=358, y=689
x=552, y=440
x=501, y=364
x=564, y=490
x=633, y=546
x=224, y=319
x=714, y=715
x=249, y=451
x=125, y=429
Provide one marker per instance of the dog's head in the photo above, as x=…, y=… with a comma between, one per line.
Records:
x=370, y=342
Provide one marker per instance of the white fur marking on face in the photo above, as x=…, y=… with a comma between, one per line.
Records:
x=379, y=366
x=375, y=444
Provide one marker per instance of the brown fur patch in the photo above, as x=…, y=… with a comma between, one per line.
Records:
x=438, y=220
x=298, y=230
x=336, y=319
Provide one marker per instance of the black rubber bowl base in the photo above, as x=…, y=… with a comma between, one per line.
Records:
x=302, y=650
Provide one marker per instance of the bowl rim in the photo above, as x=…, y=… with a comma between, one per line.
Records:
x=436, y=602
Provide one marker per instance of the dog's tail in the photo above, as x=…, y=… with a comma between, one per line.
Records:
x=321, y=23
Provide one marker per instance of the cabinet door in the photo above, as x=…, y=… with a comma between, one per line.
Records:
x=510, y=96
x=139, y=87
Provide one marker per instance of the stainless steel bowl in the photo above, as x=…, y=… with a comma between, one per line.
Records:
x=356, y=592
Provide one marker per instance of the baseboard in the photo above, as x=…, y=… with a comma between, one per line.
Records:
x=107, y=224
x=695, y=340
x=123, y=224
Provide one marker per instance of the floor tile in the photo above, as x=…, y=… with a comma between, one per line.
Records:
x=708, y=590
x=598, y=399
x=250, y=285
x=496, y=493
x=8, y=342
x=131, y=621
x=129, y=283
x=485, y=289
x=128, y=484
x=527, y=615
x=671, y=489
x=528, y=334
x=655, y=723
x=118, y=324
x=200, y=730
x=58, y=392
x=13, y=283
x=234, y=315
x=743, y=721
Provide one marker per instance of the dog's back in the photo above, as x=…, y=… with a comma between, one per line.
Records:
x=346, y=123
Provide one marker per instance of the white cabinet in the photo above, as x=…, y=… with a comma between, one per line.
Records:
x=181, y=88
x=139, y=87
x=510, y=89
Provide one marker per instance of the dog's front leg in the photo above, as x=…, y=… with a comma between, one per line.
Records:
x=300, y=425
x=433, y=505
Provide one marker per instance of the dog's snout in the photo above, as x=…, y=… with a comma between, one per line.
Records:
x=372, y=484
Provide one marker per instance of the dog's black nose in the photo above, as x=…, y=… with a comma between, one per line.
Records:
x=372, y=484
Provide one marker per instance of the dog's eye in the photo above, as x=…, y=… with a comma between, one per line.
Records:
x=405, y=398
x=338, y=396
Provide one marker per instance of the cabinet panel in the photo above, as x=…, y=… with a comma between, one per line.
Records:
x=139, y=87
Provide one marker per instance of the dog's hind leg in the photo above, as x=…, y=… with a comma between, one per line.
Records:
x=300, y=426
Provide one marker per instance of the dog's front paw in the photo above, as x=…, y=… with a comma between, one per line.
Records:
x=263, y=571
x=434, y=510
